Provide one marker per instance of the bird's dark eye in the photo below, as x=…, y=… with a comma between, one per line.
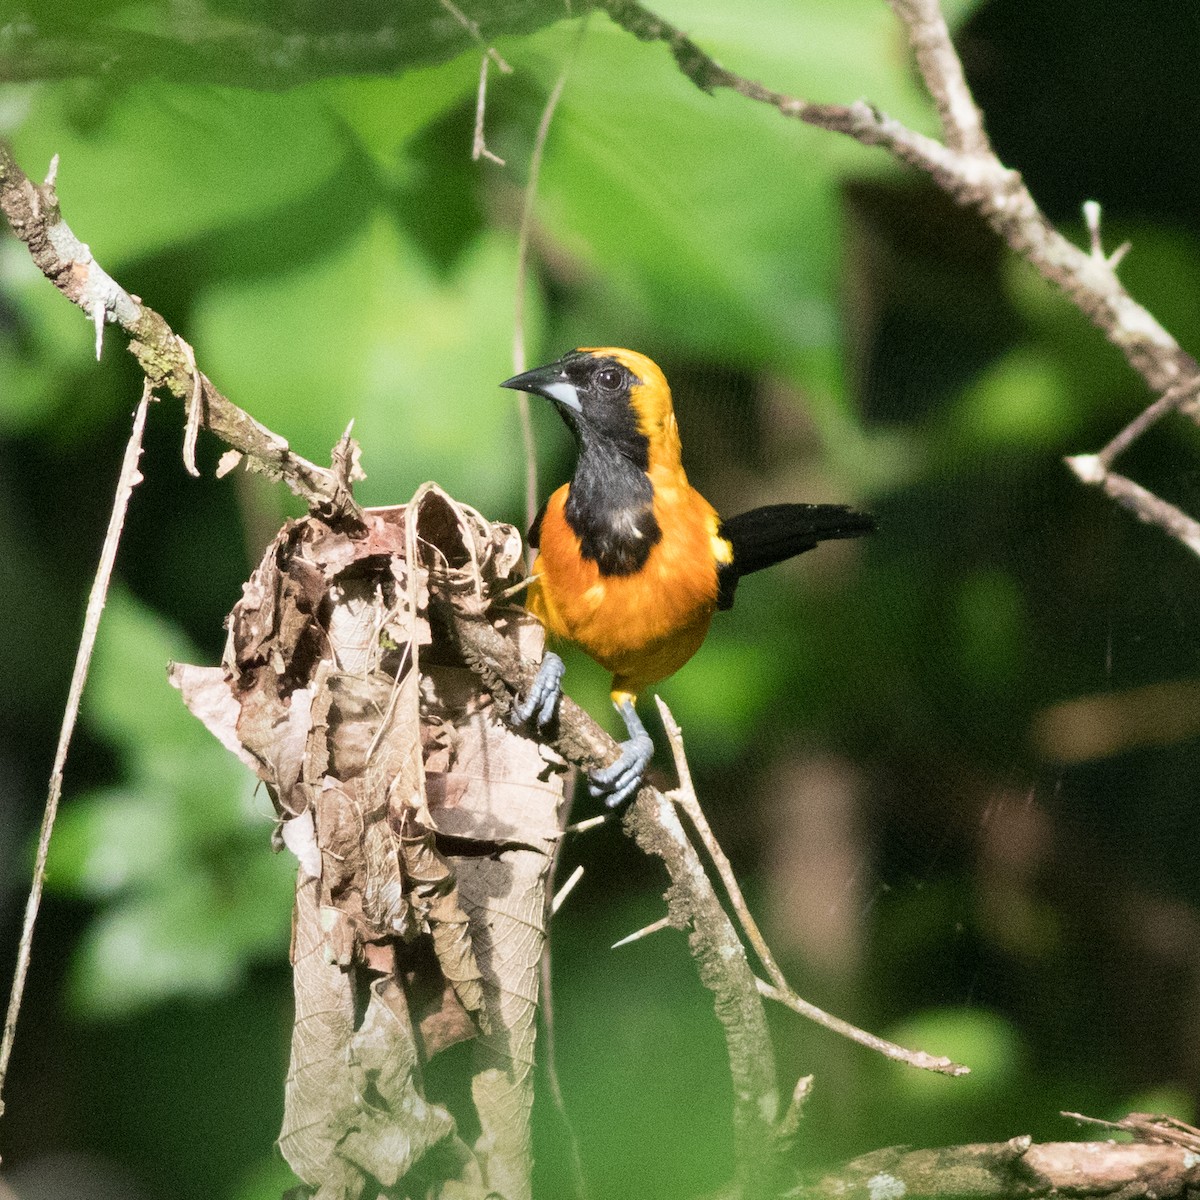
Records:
x=609, y=379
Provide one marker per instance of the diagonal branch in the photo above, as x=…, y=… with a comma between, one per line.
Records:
x=128, y=479
x=32, y=211
x=760, y=1129
x=778, y=989
x=653, y=823
x=942, y=71
x=965, y=167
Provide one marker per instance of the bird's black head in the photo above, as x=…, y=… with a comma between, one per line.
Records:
x=618, y=405
x=595, y=392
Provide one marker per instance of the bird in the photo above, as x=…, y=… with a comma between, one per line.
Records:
x=632, y=561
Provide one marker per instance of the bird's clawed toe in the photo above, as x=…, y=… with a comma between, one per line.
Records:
x=621, y=779
x=541, y=703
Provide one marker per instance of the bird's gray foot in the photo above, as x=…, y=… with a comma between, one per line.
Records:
x=621, y=779
x=542, y=702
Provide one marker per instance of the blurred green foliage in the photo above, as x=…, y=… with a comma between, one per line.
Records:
x=174, y=853
x=836, y=330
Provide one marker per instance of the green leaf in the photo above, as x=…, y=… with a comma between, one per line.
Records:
x=193, y=935
x=128, y=693
x=1020, y=400
x=45, y=339
x=269, y=1180
x=740, y=260
x=384, y=114
x=992, y=630
x=374, y=334
x=721, y=695
x=159, y=164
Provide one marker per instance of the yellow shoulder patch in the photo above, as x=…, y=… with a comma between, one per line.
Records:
x=722, y=550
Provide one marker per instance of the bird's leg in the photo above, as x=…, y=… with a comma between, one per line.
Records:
x=618, y=781
x=544, y=695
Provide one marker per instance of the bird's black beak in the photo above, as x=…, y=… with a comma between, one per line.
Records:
x=550, y=381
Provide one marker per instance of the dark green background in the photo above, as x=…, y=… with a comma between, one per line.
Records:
x=861, y=726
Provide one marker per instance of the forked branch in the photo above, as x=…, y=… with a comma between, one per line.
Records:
x=966, y=167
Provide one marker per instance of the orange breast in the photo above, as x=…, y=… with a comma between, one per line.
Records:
x=644, y=626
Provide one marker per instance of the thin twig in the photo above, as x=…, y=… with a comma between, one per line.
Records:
x=478, y=142
x=472, y=27
x=779, y=990
x=913, y=1058
x=588, y=823
x=129, y=478
x=523, y=235
x=1149, y=1127
x=1144, y=505
x=1167, y=402
x=549, y=1059
x=560, y=896
x=654, y=927
x=941, y=68
x=549, y=1052
x=721, y=958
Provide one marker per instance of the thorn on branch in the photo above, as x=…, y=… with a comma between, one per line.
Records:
x=97, y=313
x=646, y=931
x=560, y=897
x=589, y=823
x=1091, y=218
x=192, y=428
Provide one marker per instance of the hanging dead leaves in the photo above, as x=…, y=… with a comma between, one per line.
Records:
x=423, y=826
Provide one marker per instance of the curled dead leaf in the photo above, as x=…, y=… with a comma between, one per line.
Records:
x=385, y=760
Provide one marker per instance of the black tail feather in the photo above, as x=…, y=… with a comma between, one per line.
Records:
x=764, y=536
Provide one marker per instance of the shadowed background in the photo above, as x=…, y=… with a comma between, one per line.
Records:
x=955, y=766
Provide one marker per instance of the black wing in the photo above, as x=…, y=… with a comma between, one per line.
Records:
x=764, y=536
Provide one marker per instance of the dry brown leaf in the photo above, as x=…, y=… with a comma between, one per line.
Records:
x=373, y=756
x=205, y=691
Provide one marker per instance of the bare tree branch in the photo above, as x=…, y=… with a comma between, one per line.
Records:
x=653, y=823
x=942, y=71
x=1019, y=1167
x=1144, y=505
x=32, y=211
x=966, y=167
x=779, y=989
